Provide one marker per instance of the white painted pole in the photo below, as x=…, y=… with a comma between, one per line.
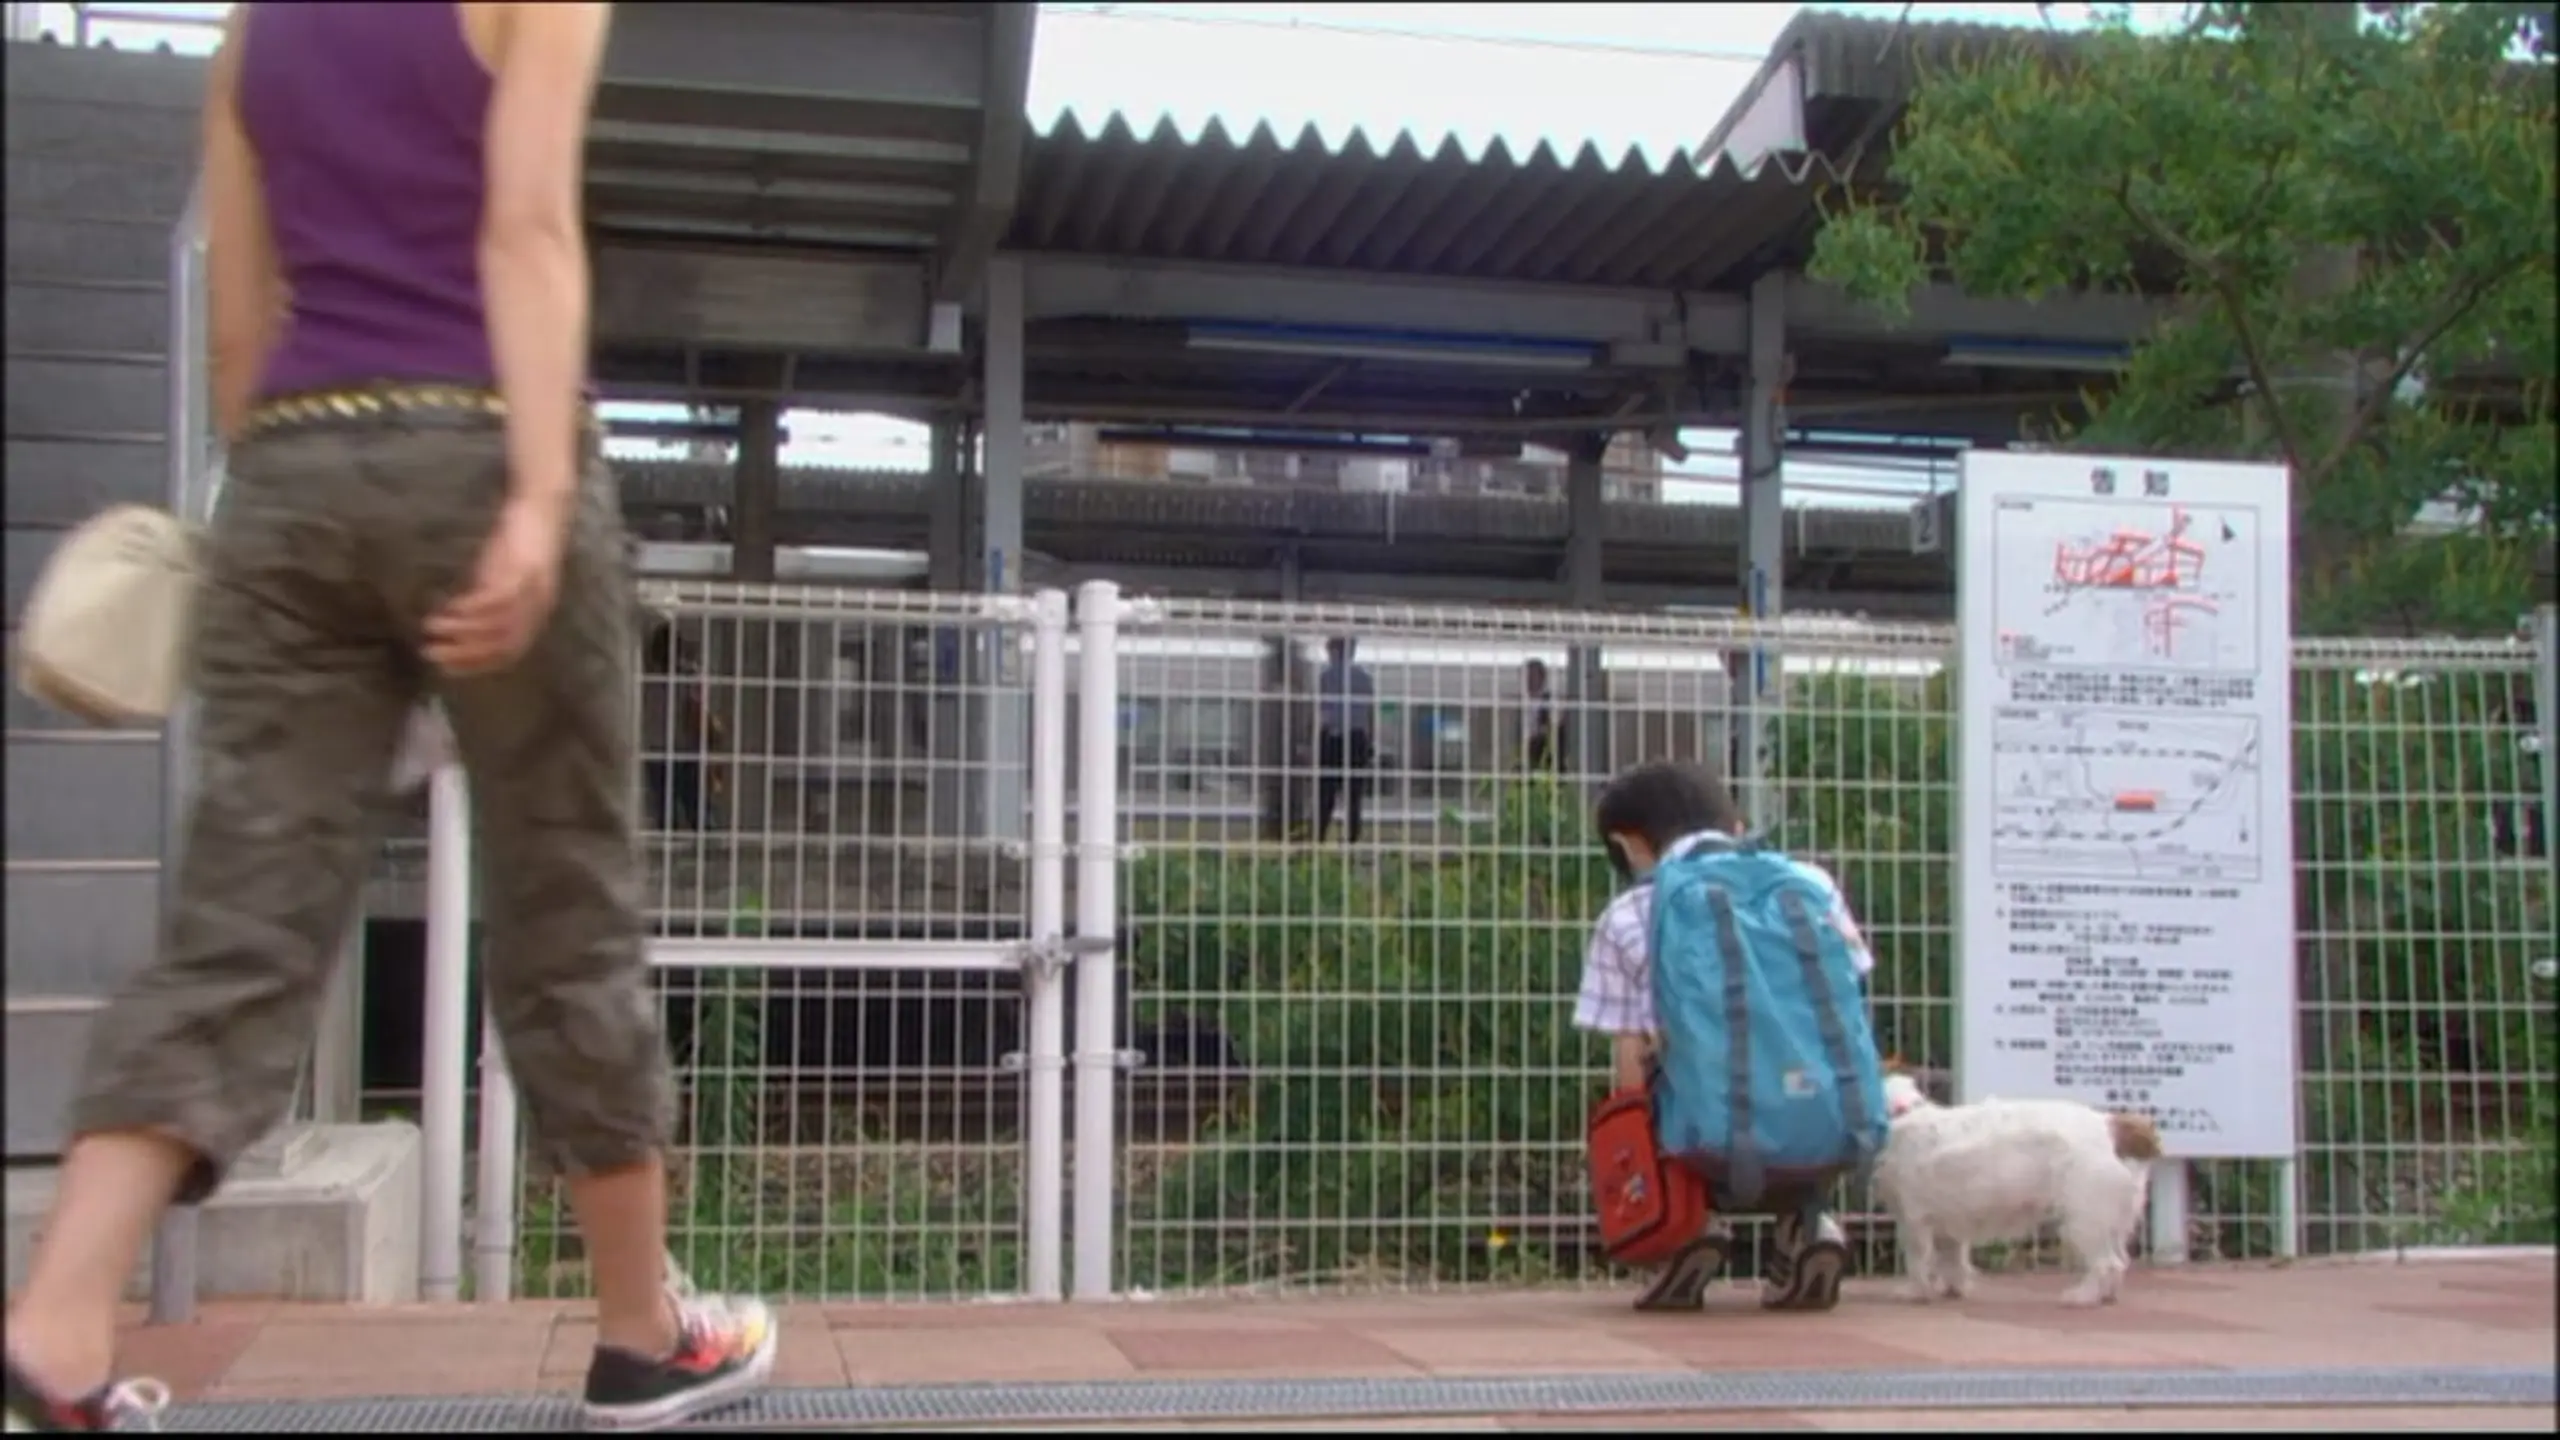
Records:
x=1046, y=1198
x=447, y=1027
x=2169, y=1212
x=494, y=1213
x=2288, y=1220
x=1097, y=921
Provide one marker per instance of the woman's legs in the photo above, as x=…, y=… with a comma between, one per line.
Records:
x=302, y=694
x=549, y=745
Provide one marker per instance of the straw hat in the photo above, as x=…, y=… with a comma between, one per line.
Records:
x=104, y=634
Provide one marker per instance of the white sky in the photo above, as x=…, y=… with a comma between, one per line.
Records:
x=1652, y=77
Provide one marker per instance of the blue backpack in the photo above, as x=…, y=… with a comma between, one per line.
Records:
x=1768, y=1074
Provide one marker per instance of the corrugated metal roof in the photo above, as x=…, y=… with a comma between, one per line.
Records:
x=1859, y=71
x=1393, y=207
x=1874, y=60
x=1477, y=77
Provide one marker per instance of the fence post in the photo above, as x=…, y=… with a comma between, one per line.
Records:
x=2546, y=711
x=447, y=1037
x=1097, y=923
x=1046, y=1159
x=494, y=1197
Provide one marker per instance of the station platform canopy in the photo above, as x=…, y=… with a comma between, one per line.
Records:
x=802, y=201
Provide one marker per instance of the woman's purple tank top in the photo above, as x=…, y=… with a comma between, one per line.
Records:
x=367, y=120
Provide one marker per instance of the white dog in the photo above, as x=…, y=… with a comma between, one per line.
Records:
x=1957, y=1176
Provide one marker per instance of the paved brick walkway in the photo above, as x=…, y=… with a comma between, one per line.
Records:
x=2237, y=1318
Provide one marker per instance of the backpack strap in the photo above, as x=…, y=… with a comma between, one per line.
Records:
x=1835, y=1037
x=1745, y=1172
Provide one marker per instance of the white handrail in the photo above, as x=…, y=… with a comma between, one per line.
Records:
x=190, y=429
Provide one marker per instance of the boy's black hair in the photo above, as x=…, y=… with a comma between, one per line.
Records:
x=1662, y=800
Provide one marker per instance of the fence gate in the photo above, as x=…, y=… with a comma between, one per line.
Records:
x=854, y=806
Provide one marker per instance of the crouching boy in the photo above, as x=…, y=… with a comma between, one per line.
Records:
x=1731, y=982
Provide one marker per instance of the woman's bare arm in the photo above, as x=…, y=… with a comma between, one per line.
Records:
x=533, y=249
x=245, y=291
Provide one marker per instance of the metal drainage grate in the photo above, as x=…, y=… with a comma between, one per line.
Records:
x=1124, y=1400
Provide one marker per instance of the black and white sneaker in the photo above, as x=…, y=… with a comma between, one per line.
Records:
x=724, y=1355
x=1804, y=1272
x=125, y=1405
x=1682, y=1283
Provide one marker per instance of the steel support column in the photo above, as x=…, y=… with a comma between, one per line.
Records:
x=1283, y=743
x=947, y=550
x=1007, y=720
x=753, y=655
x=1586, y=588
x=1759, y=684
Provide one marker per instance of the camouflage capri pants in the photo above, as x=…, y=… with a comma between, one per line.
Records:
x=333, y=542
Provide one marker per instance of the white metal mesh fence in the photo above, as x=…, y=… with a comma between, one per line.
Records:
x=2426, y=899
x=1351, y=965
x=1358, y=1065
x=834, y=786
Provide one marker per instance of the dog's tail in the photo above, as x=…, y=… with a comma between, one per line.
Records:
x=2136, y=1138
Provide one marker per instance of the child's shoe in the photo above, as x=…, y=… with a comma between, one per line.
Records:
x=1682, y=1283
x=1805, y=1270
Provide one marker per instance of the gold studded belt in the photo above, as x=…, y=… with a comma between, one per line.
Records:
x=369, y=402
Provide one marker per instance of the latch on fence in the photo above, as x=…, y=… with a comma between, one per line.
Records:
x=1049, y=958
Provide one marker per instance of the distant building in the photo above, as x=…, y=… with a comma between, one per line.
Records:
x=1632, y=468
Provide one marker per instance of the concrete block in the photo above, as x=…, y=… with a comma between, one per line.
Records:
x=90, y=75
x=86, y=188
x=55, y=397
x=72, y=798
x=56, y=484
x=163, y=135
x=80, y=932
x=64, y=248
x=48, y=1040
x=89, y=317
x=334, y=1220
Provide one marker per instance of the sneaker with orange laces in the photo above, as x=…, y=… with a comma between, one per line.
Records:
x=723, y=1355
x=125, y=1405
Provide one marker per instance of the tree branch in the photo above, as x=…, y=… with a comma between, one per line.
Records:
x=2226, y=287
x=2462, y=300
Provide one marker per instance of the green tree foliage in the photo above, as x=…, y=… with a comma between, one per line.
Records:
x=2358, y=219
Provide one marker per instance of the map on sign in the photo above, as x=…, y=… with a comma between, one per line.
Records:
x=2126, y=585
x=2125, y=794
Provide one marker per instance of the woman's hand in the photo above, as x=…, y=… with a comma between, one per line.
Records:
x=490, y=626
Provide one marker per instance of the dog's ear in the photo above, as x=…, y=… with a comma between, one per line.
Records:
x=1939, y=1085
